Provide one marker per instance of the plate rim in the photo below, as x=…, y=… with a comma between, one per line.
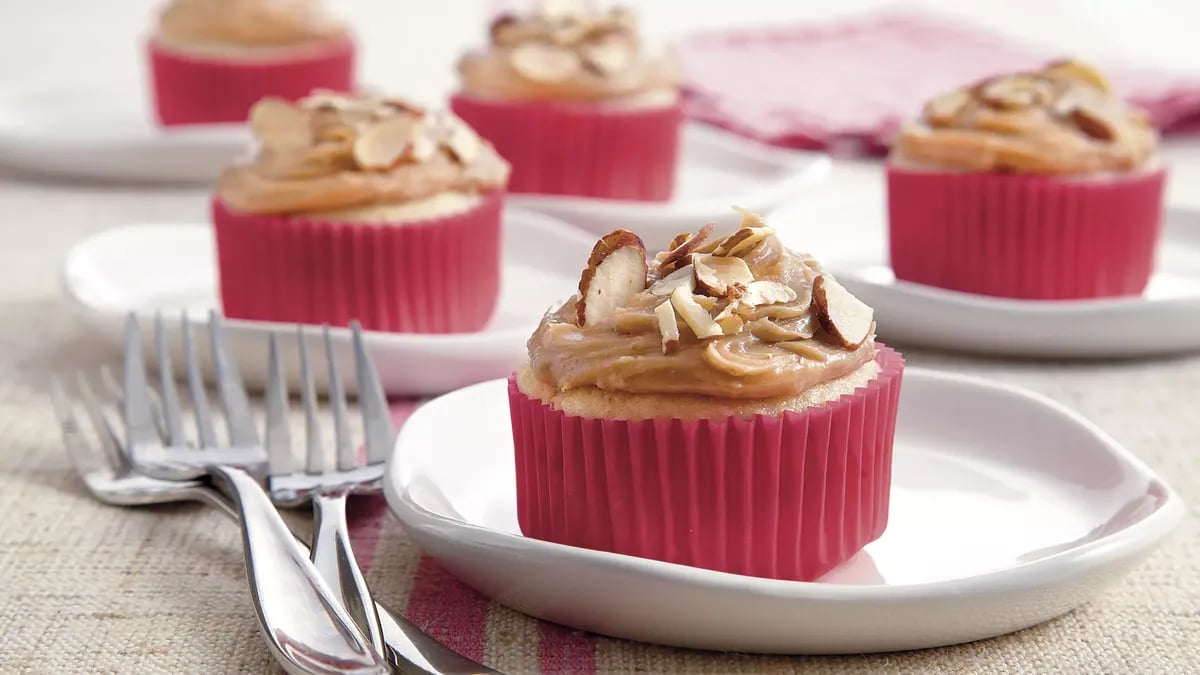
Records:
x=1128, y=543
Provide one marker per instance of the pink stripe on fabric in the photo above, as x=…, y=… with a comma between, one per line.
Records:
x=448, y=610
x=565, y=651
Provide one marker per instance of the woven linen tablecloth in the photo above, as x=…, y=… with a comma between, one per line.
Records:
x=91, y=588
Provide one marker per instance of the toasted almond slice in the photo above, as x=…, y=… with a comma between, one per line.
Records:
x=844, y=317
x=1079, y=72
x=678, y=240
x=731, y=325
x=719, y=276
x=557, y=10
x=680, y=254
x=942, y=110
x=463, y=142
x=398, y=104
x=616, y=271
x=743, y=241
x=543, y=62
x=749, y=218
x=423, y=148
x=276, y=122
x=680, y=277
x=668, y=326
x=695, y=316
x=1093, y=123
x=608, y=56
x=382, y=144
x=767, y=293
x=1010, y=93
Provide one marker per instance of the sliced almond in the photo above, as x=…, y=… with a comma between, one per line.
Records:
x=463, y=142
x=680, y=254
x=403, y=106
x=731, y=325
x=1093, y=123
x=1010, y=93
x=749, y=218
x=694, y=315
x=382, y=144
x=680, y=277
x=678, y=240
x=558, y=10
x=616, y=271
x=767, y=293
x=719, y=276
x=276, y=123
x=608, y=56
x=743, y=241
x=1079, y=72
x=544, y=63
x=844, y=317
x=423, y=148
x=668, y=326
x=943, y=110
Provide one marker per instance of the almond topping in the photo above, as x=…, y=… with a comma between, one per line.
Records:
x=1093, y=123
x=680, y=277
x=277, y=123
x=616, y=272
x=682, y=252
x=463, y=142
x=731, y=324
x=942, y=110
x=668, y=326
x=544, y=63
x=1079, y=72
x=749, y=218
x=1010, y=93
x=767, y=293
x=743, y=241
x=721, y=277
x=844, y=317
x=695, y=316
x=608, y=56
x=381, y=144
x=557, y=10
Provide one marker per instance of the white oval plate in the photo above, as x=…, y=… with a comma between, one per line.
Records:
x=97, y=135
x=851, y=242
x=995, y=526
x=718, y=170
x=170, y=268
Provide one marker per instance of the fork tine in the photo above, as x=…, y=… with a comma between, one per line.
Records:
x=229, y=384
x=314, y=453
x=110, y=440
x=279, y=436
x=84, y=456
x=139, y=418
x=171, y=413
x=204, y=425
x=377, y=418
x=347, y=456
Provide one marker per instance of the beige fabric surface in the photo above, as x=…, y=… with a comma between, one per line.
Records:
x=90, y=588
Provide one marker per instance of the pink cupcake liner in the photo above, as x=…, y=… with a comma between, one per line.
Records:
x=586, y=150
x=784, y=497
x=436, y=275
x=1019, y=236
x=197, y=90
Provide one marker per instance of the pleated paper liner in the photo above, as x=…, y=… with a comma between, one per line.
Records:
x=784, y=497
x=196, y=90
x=436, y=275
x=587, y=150
x=1021, y=236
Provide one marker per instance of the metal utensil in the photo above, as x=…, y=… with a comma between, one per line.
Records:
x=302, y=620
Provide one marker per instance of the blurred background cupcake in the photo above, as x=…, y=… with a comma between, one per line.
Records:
x=211, y=60
x=577, y=102
x=361, y=208
x=1038, y=185
x=723, y=405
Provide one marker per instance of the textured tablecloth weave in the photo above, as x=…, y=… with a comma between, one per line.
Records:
x=90, y=588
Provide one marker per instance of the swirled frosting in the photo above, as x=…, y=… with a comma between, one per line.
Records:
x=569, y=54
x=1060, y=120
x=258, y=24
x=769, y=351
x=332, y=153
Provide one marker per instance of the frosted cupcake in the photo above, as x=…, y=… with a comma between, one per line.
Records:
x=723, y=405
x=1038, y=185
x=211, y=60
x=361, y=208
x=576, y=102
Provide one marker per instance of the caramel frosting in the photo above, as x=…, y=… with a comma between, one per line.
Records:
x=741, y=321
x=1063, y=119
x=566, y=52
x=331, y=153
x=258, y=24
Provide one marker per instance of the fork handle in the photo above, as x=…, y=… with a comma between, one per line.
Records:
x=304, y=625
x=335, y=561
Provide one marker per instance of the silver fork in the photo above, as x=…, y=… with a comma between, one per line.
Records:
x=304, y=623
x=106, y=472
x=328, y=488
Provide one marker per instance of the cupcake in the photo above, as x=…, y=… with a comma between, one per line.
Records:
x=723, y=405
x=577, y=103
x=211, y=60
x=361, y=208
x=1036, y=185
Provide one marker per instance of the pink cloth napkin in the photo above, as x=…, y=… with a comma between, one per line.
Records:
x=848, y=86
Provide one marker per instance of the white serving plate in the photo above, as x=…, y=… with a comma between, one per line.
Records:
x=850, y=239
x=102, y=135
x=995, y=526
x=718, y=170
x=170, y=268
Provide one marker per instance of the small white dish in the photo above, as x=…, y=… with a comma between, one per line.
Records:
x=717, y=171
x=99, y=135
x=851, y=242
x=170, y=268
x=995, y=526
